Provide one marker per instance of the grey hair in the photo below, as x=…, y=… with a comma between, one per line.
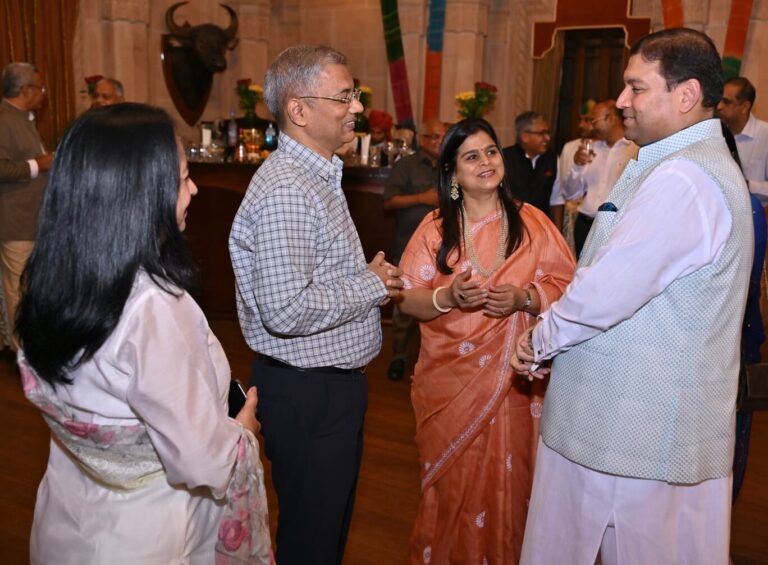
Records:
x=294, y=73
x=523, y=121
x=428, y=123
x=15, y=76
x=118, y=86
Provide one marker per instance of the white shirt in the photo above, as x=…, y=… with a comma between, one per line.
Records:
x=564, y=165
x=752, y=143
x=596, y=179
x=676, y=223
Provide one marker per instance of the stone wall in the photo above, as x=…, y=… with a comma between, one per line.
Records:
x=121, y=39
x=484, y=40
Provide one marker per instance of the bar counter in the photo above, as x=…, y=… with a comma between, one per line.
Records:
x=222, y=187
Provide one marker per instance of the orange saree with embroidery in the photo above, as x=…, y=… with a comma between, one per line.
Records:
x=474, y=417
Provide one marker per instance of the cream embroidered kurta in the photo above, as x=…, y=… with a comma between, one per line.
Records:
x=161, y=366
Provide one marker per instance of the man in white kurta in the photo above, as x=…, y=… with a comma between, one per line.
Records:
x=564, y=165
x=751, y=134
x=637, y=430
x=593, y=173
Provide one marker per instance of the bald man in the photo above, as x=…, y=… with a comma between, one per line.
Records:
x=594, y=172
x=108, y=91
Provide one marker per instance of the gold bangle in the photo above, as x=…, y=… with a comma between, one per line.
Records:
x=434, y=301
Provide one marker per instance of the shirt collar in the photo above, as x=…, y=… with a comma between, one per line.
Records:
x=309, y=159
x=750, y=128
x=30, y=115
x=623, y=142
x=525, y=154
x=680, y=140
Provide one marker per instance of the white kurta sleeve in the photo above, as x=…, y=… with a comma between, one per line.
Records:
x=175, y=360
x=676, y=223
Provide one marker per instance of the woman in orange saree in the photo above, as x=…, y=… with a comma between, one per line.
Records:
x=477, y=271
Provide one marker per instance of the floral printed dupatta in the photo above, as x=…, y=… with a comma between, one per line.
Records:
x=122, y=457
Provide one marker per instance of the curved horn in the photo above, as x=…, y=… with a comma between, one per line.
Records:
x=231, y=30
x=180, y=31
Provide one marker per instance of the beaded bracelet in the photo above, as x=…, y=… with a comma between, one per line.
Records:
x=434, y=301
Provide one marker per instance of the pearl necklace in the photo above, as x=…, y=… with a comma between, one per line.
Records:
x=469, y=244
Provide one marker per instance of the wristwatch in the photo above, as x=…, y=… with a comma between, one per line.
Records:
x=528, y=300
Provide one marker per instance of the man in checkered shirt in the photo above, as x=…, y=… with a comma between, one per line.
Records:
x=309, y=304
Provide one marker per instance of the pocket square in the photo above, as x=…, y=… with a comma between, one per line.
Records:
x=607, y=207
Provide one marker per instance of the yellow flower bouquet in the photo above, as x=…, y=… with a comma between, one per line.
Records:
x=476, y=103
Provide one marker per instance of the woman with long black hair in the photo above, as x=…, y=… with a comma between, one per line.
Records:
x=476, y=273
x=145, y=466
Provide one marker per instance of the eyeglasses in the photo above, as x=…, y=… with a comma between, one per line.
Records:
x=593, y=121
x=431, y=136
x=42, y=88
x=354, y=95
x=543, y=132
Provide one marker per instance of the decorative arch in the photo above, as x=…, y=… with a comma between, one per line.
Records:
x=570, y=14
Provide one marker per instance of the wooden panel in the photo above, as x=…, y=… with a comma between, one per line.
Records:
x=212, y=211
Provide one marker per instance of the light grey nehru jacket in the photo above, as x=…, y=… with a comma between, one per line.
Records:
x=654, y=396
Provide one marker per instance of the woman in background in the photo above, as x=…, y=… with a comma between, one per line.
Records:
x=145, y=466
x=477, y=271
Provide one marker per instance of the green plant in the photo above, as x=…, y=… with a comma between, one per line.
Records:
x=249, y=94
x=476, y=103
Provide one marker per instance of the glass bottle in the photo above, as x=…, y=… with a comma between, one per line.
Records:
x=232, y=130
x=270, y=137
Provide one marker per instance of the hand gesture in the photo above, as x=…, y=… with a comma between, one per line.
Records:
x=44, y=161
x=465, y=293
x=502, y=300
x=389, y=274
x=523, y=360
x=583, y=155
x=247, y=415
x=429, y=197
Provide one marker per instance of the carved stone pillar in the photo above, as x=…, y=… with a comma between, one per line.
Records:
x=466, y=29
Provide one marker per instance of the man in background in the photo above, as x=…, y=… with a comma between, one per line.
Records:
x=108, y=91
x=533, y=166
x=411, y=191
x=24, y=163
x=596, y=169
x=751, y=134
x=380, y=124
x=565, y=164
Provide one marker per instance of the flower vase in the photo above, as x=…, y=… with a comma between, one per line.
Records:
x=249, y=119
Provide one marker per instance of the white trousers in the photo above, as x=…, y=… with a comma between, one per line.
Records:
x=576, y=513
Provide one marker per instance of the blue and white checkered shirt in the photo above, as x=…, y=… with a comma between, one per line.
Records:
x=304, y=292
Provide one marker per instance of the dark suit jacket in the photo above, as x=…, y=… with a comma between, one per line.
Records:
x=529, y=184
x=20, y=196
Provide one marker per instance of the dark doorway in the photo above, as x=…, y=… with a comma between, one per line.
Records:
x=593, y=66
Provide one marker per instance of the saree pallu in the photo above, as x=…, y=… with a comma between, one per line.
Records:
x=475, y=424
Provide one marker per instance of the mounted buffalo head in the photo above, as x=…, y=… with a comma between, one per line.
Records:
x=191, y=54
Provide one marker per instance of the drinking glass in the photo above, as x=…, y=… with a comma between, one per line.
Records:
x=374, y=156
